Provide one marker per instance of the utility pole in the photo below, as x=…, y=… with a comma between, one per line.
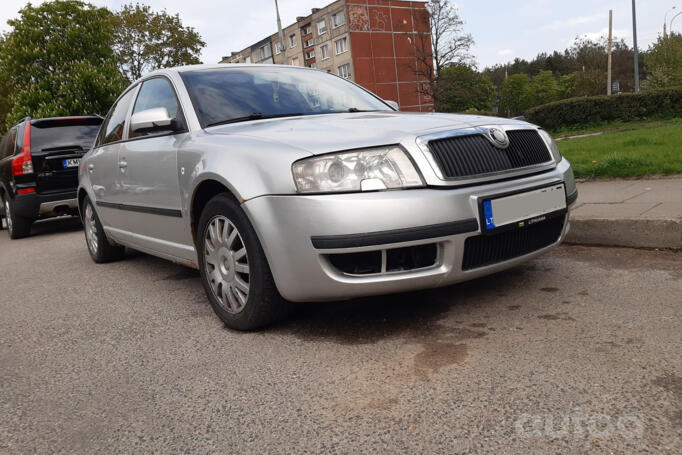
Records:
x=608, y=88
x=282, y=46
x=634, y=37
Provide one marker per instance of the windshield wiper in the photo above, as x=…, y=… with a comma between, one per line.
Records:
x=355, y=109
x=254, y=116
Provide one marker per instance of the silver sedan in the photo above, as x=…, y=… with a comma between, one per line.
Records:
x=284, y=184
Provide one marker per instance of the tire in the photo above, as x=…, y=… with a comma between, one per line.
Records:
x=17, y=227
x=234, y=270
x=100, y=249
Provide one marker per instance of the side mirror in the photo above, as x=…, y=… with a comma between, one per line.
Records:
x=151, y=121
x=393, y=104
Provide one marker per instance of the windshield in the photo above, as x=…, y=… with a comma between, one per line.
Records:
x=248, y=93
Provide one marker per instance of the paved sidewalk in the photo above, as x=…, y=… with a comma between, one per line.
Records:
x=632, y=213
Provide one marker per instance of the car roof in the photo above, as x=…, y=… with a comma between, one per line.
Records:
x=182, y=69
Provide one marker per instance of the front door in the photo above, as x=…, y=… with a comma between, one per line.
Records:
x=148, y=188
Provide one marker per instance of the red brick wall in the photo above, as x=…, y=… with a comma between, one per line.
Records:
x=385, y=37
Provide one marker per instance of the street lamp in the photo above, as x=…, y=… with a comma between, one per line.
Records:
x=634, y=39
x=665, y=20
x=673, y=20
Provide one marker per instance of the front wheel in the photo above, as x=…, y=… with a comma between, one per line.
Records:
x=234, y=270
x=100, y=249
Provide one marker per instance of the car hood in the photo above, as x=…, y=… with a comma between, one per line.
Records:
x=326, y=133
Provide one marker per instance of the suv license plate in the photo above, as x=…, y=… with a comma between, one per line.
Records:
x=75, y=162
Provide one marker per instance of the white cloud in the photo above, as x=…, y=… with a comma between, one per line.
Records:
x=505, y=52
x=603, y=33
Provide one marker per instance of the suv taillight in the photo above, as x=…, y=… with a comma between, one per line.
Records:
x=22, y=164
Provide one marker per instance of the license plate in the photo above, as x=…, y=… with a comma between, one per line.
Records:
x=524, y=208
x=75, y=162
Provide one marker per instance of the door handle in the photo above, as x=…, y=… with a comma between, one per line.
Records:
x=91, y=167
x=123, y=164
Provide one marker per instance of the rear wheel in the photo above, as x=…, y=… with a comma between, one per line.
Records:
x=17, y=227
x=234, y=270
x=100, y=249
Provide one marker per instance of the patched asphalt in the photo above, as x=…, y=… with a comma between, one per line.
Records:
x=577, y=351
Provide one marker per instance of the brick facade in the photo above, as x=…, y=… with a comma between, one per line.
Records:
x=383, y=39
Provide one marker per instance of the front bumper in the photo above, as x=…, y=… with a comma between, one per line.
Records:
x=290, y=228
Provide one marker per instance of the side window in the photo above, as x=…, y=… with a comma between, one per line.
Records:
x=4, y=146
x=112, y=129
x=8, y=144
x=12, y=146
x=156, y=93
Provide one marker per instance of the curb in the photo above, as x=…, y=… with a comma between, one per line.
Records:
x=627, y=233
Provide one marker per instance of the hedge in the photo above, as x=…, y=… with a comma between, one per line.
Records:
x=579, y=112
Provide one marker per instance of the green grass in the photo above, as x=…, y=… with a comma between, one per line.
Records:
x=653, y=148
x=615, y=126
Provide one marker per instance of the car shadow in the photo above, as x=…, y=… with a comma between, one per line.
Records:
x=417, y=315
x=412, y=315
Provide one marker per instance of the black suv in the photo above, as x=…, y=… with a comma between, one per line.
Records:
x=39, y=162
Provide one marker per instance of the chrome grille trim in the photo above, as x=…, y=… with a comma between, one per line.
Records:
x=423, y=144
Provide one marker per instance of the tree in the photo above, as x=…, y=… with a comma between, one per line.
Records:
x=543, y=89
x=461, y=88
x=515, y=96
x=4, y=94
x=664, y=62
x=57, y=60
x=445, y=45
x=145, y=40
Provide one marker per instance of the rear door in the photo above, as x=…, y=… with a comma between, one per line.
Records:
x=57, y=146
x=102, y=164
x=7, y=149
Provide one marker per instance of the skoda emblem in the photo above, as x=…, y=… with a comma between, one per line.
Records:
x=499, y=138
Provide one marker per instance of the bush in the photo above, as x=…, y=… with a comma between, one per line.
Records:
x=594, y=110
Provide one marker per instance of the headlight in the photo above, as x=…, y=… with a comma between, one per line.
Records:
x=551, y=143
x=363, y=170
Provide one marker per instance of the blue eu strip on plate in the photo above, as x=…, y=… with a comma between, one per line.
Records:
x=488, y=214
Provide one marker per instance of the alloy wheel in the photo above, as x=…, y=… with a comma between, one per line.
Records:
x=227, y=264
x=91, y=229
x=8, y=217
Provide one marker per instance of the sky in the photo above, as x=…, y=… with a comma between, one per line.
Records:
x=502, y=29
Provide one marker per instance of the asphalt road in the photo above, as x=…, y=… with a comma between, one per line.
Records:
x=575, y=352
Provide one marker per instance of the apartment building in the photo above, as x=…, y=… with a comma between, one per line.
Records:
x=374, y=43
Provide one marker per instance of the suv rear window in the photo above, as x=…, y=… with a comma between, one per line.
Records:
x=64, y=133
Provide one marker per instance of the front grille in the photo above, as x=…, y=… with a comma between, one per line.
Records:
x=483, y=250
x=463, y=156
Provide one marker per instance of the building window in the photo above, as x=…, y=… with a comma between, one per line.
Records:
x=310, y=54
x=308, y=43
x=311, y=65
x=344, y=71
x=341, y=45
x=248, y=59
x=294, y=61
x=324, y=51
x=278, y=48
x=338, y=19
x=292, y=40
x=265, y=51
x=322, y=27
x=308, y=30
